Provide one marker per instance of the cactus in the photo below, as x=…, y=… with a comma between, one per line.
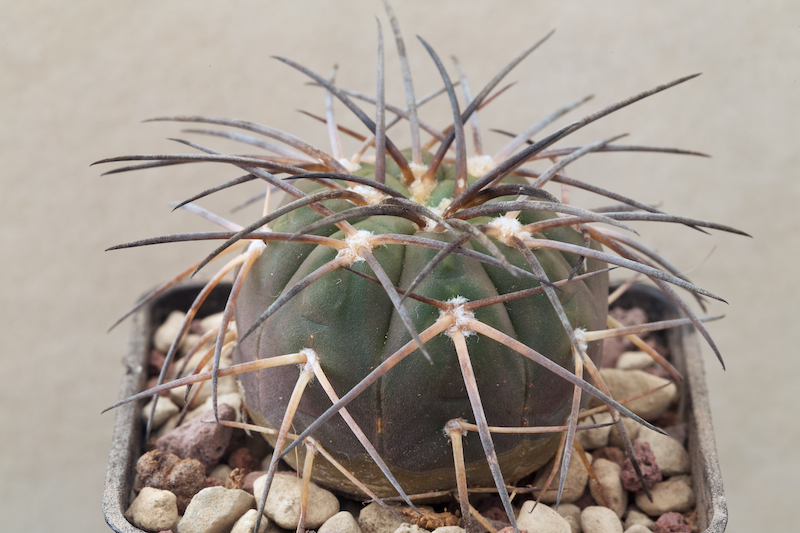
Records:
x=449, y=310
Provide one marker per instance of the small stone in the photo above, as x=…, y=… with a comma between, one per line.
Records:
x=247, y=522
x=574, y=484
x=166, y=332
x=375, y=519
x=215, y=510
x=628, y=383
x=638, y=528
x=638, y=518
x=165, y=409
x=242, y=458
x=651, y=472
x=592, y=439
x=410, y=528
x=211, y=322
x=611, y=453
x=283, y=501
x=671, y=456
x=541, y=519
x=184, y=478
x=249, y=479
x=448, y=529
x=341, y=522
x=225, y=385
x=153, y=510
x=226, y=396
x=596, y=519
x=635, y=361
x=221, y=472
x=572, y=514
x=200, y=440
x=632, y=428
x=671, y=523
x=607, y=473
x=674, y=494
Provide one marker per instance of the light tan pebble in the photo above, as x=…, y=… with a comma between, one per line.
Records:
x=671, y=457
x=265, y=462
x=637, y=518
x=631, y=426
x=541, y=519
x=449, y=529
x=635, y=361
x=574, y=485
x=375, y=519
x=167, y=331
x=410, y=528
x=607, y=473
x=234, y=399
x=596, y=519
x=674, y=494
x=638, y=528
x=225, y=385
x=591, y=439
x=221, y=472
x=248, y=521
x=572, y=514
x=215, y=510
x=628, y=383
x=153, y=510
x=283, y=501
x=211, y=322
x=165, y=409
x=341, y=522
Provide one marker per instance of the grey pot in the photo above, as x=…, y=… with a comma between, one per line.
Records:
x=683, y=343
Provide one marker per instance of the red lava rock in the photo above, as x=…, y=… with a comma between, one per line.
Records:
x=671, y=523
x=496, y=514
x=242, y=458
x=182, y=477
x=647, y=462
x=214, y=482
x=250, y=478
x=613, y=347
x=611, y=453
x=200, y=440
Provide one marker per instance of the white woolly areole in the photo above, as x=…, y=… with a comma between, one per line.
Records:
x=357, y=241
x=461, y=317
x=580, y=336
x=479, y=165
x=421, y=190
x=311, y=356
x=371, y=195
x=507, y=228
x=439, y=210
x=351, y=166
x=417, y=170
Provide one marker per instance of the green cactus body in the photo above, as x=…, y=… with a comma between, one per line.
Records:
x=350, y=323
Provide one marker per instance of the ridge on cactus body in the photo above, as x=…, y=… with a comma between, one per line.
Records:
x=426, y=320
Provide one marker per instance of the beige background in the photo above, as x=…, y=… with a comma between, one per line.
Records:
x=76, y=78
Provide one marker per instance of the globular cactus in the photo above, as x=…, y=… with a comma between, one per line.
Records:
x=429, y=321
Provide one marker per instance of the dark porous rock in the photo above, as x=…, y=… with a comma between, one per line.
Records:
x=671, y=523
x=647, y=463
x=242, y=458
x=182, y=477
x=200, y=440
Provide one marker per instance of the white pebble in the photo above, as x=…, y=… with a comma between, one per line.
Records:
x=341, y=522
x=607, y=473
x=166, y=332
x=632, y=428
x=215, y=510
x=635, y=361
x=638, y=528
x=234, y=399
x=248, y=521
x=221, y=472
x=574, y=484
x=449, y=529
x=410, y=528
x=283, y=502
x=592, y=439
x=674, y=494
x=541, y=519
x=375, y=519
x=596, y=519
x=628, y=383
x=637, y=518
x=153, y=510
x=211, y=322
x=572, y=514
x=165, y=408
x=671, y=457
